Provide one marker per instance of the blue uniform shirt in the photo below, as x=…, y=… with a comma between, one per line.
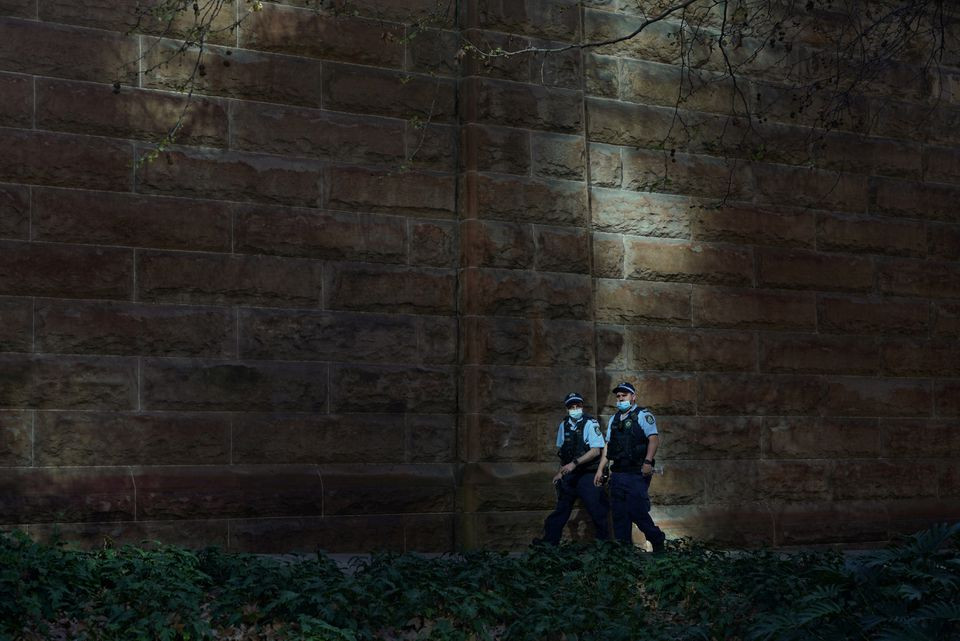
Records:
x=647, y=421
x=591, y=434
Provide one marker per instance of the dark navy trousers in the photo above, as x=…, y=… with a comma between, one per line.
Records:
x=630, y=503
x=571, y=486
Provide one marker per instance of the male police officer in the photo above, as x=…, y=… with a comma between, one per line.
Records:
x=579, y=443
x=632, y=442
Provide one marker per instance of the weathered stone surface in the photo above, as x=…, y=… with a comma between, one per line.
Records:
x=434, y=244
x=731, y=482
x=815, y=354
x=364, y=90
x=870, y=235
x=515, y=67
x=375, y=288
x=68, y=382
x=850, y=396
x=233, y=176
x=433, y=52
x=519, y=390
x=914, y=357
x=207, y=385
x=191, y=492
x=97, y=438
x=227, y=279
x=733, y=524
x=496, y=149
x=66, y=52
x=500, y=292
x=637, y=302
x=682, y=483
x=754, y=224
x=557, y=156
x=14, y=212
x=943, y=241
x=820, y=438
x=799, y=269
x=98, y=109
x=299, y=131
x=233, y=73
x=562, y=249
x=313, y=439
x=37, y=269
x=16, y=325
x=907, y=277
x=606, y=167
x=656, y=42
x=946, y=319
x=310, y=233
x=387, y=489
x=627, y=212
x=18, y=8
x=608, y=255
x=796, y=480
x=673, y=394
x=497, y=244
x=710, y=437
x=743, y=394
x=858, y=315
x=496, y=102
x=688, y=174
x=501, y=437
x=691, y=350
x=911, y=199
x=297, y=335
x=104, y=218
x=508, y=487
x=132, y=329
x=16, y=438
x=332, y=534
x=941, y=164
x=366, y=190
x=44, y=495
x=921, y=438
x=503, y=530
x=65, y=160
x=947, y=397
x=438, y=339
x=431, y=438
x=602, y=75
x=834, y=521
x=883, y=480
x=92, y=536
x=688, y=262
x=397, y=388
x=557, y=202
x=816, y=188
x=515, y=341
x=868, y=155
x=16, y=101
x=558, y=19
x=752, y=308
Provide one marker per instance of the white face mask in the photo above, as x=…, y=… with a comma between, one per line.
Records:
x=575, y=413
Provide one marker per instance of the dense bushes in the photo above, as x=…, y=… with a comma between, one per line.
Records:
x=909, y=591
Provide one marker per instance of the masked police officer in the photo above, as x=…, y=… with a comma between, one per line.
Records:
x=579, y=443
x=632, y=442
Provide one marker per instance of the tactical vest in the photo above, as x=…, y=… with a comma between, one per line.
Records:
x=574, y=446
x=628, y=442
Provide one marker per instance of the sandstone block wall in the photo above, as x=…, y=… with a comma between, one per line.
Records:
x=340, y=311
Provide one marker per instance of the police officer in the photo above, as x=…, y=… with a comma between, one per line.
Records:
x=632, y=442
x=579, y=443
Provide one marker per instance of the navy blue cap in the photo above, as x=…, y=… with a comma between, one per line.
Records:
x=625, y=387
x=572, y=397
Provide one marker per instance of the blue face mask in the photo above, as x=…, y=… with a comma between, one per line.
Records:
x=623, y=406
x=575, y=413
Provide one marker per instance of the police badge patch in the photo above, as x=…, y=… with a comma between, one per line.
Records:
x=650, y=419
x=628, y=423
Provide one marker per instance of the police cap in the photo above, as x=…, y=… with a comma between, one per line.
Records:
x=625, y=387
x=572, y=397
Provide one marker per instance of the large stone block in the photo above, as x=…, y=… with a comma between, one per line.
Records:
x=310, y=233
x=233, y=176
x=431, y=146
x=44, y=495
x=557, y=202
x=16, y=438
x=503, y=391
x=308, y=535
x=619, y=301
x=387, y=489
x=490, y=487
x=434, y=243
x=16, y=325
x=483, y=61
x=558, y=156
x=438, y=339
x=820, y=189
x=673, y=394
x=920, y=357
x=943, y=241
x=364, y=90
x=14, y=212
x=396, y=388
x=388, y=289
x=310, y=33
x=65, y=160
x=907, y=277
x=608, y=255
x=652, y=83
x=601, y=75
x=687, y=174
x=558, y=19
x=656, y=42
x=431, y=438
x=851, y=396
x=623, y=123
x=273, y=334
x=691, y=350
x=736, y=524
x=912, y=199
x=708, y=437
x=883, y=480
x=732, y=482
x=301, y=131
x=831, y=522
x=688, y=262
x=35, y=269
x=871, y=235
x=142, y=534
x=68, y=382
x=497, y=102
x=190, y=492
x=209, y=385
x=313, y=439
x=502, y=530
x=98, y=109
x=132, y=329
x=496, y=292
x=497, y=244
x=862, y=315
x=233, y=73
x=104, y=218
x=61, y=51
x=606, y=165
x=626, y=212
x=682, y=483
x=941, y=164
x=753, y=308
x=946, y=318
x=432, y=51
x=921, y=438
x=817, y=354
x=19, y=8
x=562, y=249
x=740, y=223
x=800, y=269
x=351, y=188
x=502, y=437
x=228, y=279
x=947, y=397
x=795, y=480
x=496, y=149
x=750, y=394
x=16, y=101
x=787, y=437
x=96, y=438
x=515, y=341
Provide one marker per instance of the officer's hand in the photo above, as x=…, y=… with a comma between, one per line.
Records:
x=568, y=468
x=557, y=476
x=647, y=469
x=598, y=478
